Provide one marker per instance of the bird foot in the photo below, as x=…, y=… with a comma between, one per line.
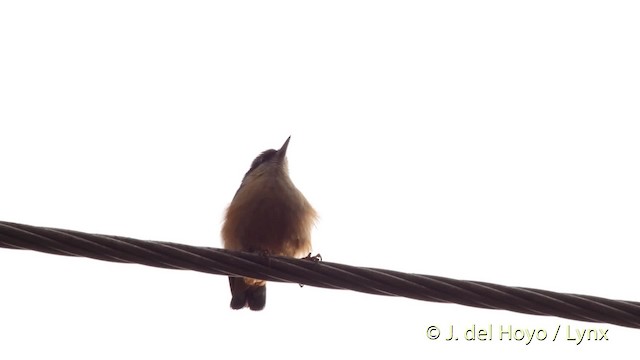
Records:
x=314, y=258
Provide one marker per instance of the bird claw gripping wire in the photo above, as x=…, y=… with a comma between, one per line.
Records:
x=314, y=258
x=265, y=254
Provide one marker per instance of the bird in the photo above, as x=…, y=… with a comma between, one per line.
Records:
x=267, y=215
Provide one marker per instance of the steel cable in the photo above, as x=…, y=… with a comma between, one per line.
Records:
x=320, y=274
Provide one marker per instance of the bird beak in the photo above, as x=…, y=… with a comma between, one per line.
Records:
x=282, y=152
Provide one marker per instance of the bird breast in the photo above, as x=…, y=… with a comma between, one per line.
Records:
x=269, y=214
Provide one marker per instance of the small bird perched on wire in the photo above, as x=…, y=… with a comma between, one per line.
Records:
x=268, y=215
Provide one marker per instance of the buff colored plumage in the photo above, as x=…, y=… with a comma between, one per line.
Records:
x=268, y=215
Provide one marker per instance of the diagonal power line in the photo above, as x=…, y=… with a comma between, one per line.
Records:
x=320, y=274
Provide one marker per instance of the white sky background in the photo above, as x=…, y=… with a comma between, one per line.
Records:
x=491, y=141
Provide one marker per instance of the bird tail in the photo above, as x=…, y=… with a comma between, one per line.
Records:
x=247, y=292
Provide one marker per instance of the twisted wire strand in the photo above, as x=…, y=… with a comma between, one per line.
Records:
x=320, y=274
